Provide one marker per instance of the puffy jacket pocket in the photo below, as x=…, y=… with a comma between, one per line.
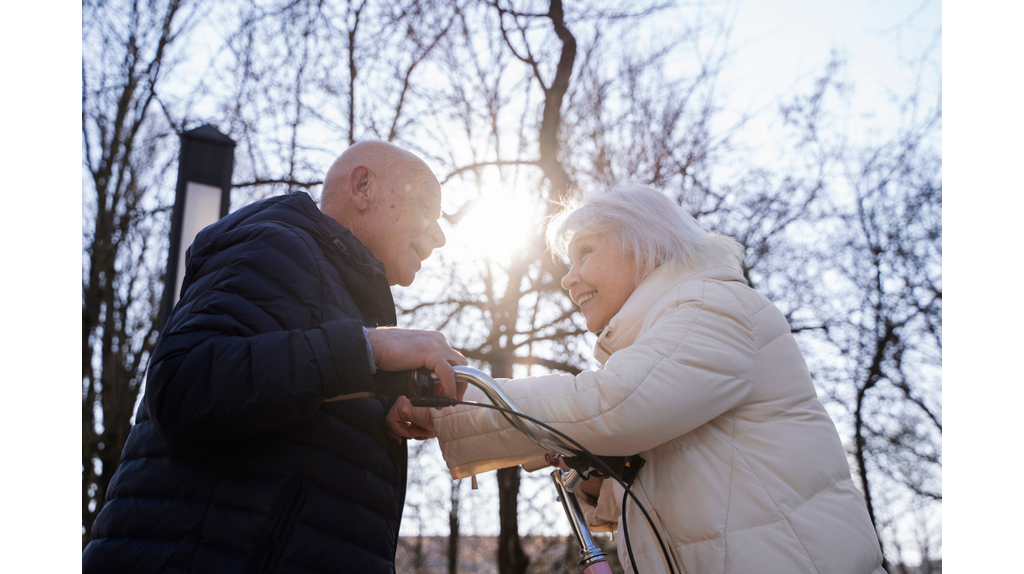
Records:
x=282, y=518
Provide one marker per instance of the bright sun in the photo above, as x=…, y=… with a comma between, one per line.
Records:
x=498, y=224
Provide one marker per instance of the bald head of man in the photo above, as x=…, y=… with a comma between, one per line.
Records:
x=391, y=201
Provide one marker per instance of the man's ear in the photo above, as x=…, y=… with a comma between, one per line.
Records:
x=359, y=189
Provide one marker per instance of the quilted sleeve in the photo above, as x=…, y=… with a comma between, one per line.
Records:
x=245, y=351
x=695, y=362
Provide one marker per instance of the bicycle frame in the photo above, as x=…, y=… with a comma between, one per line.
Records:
x=593, y=560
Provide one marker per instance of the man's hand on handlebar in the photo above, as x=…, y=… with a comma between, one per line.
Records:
x=397, y=349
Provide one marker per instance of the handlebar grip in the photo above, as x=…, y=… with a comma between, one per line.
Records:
x=421, y=387
x=433, y=402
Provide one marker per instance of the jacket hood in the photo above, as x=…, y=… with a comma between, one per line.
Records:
x=363, y=273
x=297, y=209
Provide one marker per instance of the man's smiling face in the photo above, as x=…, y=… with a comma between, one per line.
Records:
x=408, y=207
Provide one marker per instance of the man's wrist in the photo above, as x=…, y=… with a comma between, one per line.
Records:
x=369, y=351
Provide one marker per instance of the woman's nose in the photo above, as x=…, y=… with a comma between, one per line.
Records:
x=569, y=281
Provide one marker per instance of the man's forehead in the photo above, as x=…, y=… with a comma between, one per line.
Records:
x=429, y=189
x=420, y=181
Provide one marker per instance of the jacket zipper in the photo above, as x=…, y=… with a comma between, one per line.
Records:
x=337, y=243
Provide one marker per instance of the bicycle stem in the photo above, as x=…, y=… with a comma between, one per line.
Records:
x=590, y=553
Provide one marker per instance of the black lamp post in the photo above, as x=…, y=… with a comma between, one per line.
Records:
x=202, y=197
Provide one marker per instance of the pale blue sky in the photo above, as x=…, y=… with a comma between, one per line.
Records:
x=781, y=45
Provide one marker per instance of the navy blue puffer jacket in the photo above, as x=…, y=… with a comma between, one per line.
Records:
x=236, y=463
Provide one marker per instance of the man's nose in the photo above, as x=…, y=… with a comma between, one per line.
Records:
x=435, y=234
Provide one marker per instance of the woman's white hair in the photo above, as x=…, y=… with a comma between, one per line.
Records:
x=640, y=220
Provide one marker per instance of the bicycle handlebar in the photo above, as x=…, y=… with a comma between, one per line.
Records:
x=500, y=398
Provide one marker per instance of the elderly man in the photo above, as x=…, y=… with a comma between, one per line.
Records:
x=271, y=434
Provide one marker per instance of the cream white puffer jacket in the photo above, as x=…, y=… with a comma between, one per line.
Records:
x=702, y=377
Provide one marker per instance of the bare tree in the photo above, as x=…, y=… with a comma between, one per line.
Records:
x=865, y=300
x=127, y=149
x=891, y=263
x=306, y=79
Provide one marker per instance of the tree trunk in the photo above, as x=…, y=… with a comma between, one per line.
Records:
x=511, y=557
x=417, y=555
x=453, y=530
x=549, y=140
x=860, y=454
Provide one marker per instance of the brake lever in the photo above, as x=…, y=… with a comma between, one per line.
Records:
x=421, y=387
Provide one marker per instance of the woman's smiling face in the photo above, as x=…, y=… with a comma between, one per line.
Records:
x=600, y=278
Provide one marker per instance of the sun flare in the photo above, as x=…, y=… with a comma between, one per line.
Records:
x=498, y=225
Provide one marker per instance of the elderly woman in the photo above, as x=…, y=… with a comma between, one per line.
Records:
x=701, y=376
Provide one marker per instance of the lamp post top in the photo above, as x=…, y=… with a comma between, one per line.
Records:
x=209, y=134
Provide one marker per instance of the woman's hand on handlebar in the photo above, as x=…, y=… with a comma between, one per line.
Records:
x=591, y=486
x=555, y=461
x=409, y=422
